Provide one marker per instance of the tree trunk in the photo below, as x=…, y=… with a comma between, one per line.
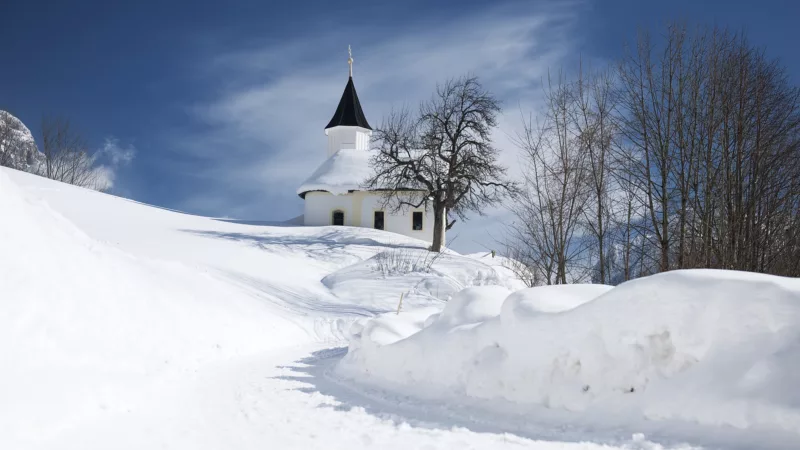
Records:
x=600, y=239
x=439, y=224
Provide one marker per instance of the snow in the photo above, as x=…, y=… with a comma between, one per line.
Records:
x=103, y=319
x=388, y=328
x=473, y=305
x=345, y=171
x=124, y=325
x=705, y=347
x=414, y=272
x=17, y=146
x=549, y=299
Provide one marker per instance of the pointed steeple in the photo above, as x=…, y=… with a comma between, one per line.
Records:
x=349, y=112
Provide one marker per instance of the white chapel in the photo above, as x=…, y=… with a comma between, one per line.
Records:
x=334, y=193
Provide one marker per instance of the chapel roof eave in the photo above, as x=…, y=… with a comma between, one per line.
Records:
x=350, y=191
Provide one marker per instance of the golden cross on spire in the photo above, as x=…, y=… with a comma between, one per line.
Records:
x=350, y=60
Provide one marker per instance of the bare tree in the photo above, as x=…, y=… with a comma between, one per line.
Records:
x=688, y=157
x=714, y=127
x=594, y=100
x=67, y=157
x=521, y=259
x=550, y=208
x=649, y=100
x=443, y=156
x=625, y=219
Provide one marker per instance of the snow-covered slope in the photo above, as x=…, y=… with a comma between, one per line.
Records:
x=113, y=313
x=105, y=321
x=128, y=326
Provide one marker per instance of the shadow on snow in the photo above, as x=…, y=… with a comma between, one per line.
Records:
x=333, y=240
x=538, y=423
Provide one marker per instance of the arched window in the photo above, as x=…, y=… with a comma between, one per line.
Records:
x=338, y=217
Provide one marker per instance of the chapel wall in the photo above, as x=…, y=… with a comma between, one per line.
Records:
x=359, y=208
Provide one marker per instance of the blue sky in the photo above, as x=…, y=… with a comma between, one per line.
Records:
x=223, y=104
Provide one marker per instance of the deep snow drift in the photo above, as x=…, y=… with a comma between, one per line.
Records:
x=702, y=346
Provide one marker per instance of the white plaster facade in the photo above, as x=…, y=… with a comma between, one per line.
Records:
x=359, y=211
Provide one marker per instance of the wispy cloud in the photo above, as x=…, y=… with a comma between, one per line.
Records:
x=264, y=131
x=109, y=159
x=116, y=153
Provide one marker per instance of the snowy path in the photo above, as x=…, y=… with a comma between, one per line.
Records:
x=285, y=400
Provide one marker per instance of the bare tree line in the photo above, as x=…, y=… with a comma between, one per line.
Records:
x=683, y=155
x=65, y=156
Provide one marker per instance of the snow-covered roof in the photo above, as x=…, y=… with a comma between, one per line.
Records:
x=343, y=172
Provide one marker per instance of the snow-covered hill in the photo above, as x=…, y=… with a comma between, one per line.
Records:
x=123, y=325
x=108, y=305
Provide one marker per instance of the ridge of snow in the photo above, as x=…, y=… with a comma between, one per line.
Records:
x=700, y=346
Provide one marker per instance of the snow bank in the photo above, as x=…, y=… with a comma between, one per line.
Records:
x=470, y=306
x=85, y=327
x=712, y=347
x=345, y=171
x=421, y=276
x=549, y=299
x=389, y=328
x=473, y=305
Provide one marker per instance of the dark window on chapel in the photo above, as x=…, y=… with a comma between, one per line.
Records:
x=377, y=221
x=338, y=217
x=416, y=222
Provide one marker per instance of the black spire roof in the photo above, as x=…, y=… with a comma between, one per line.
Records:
x=349, y=112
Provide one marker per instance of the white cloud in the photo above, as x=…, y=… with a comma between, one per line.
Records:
x=118, y=155
x=108, y=159
x=265, y=129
